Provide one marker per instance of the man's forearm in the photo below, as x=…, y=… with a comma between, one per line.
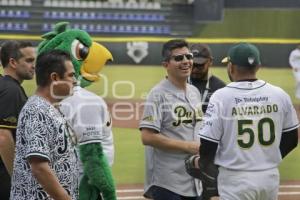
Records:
x=160, y=141
x=7, y=149
x=48, y=180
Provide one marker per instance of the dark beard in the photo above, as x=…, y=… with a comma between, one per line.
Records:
x=200, y=76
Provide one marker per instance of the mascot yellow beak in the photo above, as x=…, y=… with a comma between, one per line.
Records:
x=95, y=61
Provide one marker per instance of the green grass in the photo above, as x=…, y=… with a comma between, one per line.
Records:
x=129, y=156
x=253, y=23
x=289, y=168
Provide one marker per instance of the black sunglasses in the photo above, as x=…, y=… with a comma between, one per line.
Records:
x=180, y=57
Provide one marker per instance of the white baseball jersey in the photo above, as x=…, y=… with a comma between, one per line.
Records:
x=247, y=120
x=294, y=60
x=173, y=113
x=88, y=115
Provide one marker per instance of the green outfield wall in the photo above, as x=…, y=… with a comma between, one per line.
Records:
x=147, y=50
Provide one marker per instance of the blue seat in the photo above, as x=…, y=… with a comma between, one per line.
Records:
x=106, y=28
x=46, y=14
x=114, y=28
x=61, y=15
x=69, y=15
x=123, y=16
x=85, y=15
x=92, y=16
x=99, y=16
x=76, y=26
x=53, y=15
x=45, y=27
x=2, y=13
x=10, y=26
x=84, y=27
x=76, y=15
x=166, y=30
x=91, y=28
x=10, y=13
x=2, y=26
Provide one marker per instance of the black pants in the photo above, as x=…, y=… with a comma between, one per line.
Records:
x=4, y=184
x=160, y=193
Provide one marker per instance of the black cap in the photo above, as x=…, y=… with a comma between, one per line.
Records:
x=201, y=52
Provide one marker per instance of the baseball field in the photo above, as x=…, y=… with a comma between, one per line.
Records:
x=125, y=87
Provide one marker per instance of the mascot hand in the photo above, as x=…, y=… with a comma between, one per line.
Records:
x=97, y=170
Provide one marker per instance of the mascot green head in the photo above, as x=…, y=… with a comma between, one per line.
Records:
x=88, y=57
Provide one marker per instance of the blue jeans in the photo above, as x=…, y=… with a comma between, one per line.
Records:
x=160, y=193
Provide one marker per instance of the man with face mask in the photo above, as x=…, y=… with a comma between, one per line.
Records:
x=200, y=77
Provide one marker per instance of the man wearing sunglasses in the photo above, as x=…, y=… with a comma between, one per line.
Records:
x=200, y=77
x=171, y=113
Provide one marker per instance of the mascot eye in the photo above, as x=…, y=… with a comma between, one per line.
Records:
x=79, y=50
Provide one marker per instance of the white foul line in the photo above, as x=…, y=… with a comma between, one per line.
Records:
x=130, y=190
x=141, y=190
x=289, y=186
x=129, y=198
x=288, y=193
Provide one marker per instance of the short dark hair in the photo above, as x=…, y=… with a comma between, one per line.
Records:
x=49, y=62
x=11, y=49
x=170, y=45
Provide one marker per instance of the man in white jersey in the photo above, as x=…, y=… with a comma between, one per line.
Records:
x=249, y=126
x=171, y=113
x=294, y=61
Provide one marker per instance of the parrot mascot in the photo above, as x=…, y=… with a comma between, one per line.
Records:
x=88, y=59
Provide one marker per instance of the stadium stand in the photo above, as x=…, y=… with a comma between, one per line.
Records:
x=100, y=17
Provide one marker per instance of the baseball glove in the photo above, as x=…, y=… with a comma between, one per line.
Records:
x=207, y=173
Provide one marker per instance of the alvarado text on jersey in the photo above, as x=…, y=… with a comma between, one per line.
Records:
x=254, y=109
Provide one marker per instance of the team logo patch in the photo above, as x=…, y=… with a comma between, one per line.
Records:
x=148, y=119
x=251, y=60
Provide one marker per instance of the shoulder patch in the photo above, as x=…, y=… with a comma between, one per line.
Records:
x=148, y=119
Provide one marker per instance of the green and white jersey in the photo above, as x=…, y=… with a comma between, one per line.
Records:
x=247, y=120
x=87, y=114
x=173, y=113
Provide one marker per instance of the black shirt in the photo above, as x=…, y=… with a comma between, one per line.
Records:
x=207, y=88
x=12, y=99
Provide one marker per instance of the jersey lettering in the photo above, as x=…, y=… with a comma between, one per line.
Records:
x=263, y=138
x=186, y=117
x=253, y=110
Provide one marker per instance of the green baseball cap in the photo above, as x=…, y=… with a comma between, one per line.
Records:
x=243, y=54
